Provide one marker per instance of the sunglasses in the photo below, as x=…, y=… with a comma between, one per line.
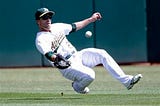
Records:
x=45, y=17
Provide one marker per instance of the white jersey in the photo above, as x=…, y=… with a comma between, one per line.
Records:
x=55, y=40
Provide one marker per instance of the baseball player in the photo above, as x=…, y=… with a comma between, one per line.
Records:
x=75, y=65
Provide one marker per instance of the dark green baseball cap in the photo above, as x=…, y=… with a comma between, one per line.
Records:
x=41, y=12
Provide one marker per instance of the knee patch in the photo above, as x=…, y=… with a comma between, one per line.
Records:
x=79, y=86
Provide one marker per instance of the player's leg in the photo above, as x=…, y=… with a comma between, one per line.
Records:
x=81, y=76
x=92, y=57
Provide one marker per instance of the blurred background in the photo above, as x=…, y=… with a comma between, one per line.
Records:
x=129, y=30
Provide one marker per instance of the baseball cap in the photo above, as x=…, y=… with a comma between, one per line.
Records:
x=41, y=12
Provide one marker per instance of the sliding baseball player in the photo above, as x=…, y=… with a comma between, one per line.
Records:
x=75, y=65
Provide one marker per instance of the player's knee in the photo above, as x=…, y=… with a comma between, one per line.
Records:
x=86, y=80
x=79, y=86
x=90, y=78
x=102, y=51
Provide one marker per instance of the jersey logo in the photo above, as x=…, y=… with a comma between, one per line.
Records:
x=57, y=41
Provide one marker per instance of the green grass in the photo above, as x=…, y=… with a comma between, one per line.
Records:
x=43, y=87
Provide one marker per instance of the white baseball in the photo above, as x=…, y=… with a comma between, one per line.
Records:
x=88, y=34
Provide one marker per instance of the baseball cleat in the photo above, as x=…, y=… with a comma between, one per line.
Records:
x=134, y=80
x=85, y=91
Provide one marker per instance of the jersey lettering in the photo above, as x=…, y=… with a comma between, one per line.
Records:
x=57, y=41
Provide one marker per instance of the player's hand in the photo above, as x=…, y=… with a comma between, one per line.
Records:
x=96, y=16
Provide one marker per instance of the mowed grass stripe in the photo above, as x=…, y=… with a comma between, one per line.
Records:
x=74, y=99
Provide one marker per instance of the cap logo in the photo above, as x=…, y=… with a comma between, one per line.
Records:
x=43, y=10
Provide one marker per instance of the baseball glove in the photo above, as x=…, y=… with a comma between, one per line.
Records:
x=60, y=62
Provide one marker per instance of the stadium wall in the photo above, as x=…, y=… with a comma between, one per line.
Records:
x=121, y=32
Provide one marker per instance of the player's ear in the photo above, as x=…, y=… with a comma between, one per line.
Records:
x=37, y=21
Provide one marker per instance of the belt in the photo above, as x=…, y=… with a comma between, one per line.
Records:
x=68, y=56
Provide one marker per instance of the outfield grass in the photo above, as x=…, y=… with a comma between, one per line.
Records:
x=43, y=87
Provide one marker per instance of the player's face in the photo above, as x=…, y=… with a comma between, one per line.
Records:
x=45, y=22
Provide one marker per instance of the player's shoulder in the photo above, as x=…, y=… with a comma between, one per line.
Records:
x=42, y=35
x=59, y=24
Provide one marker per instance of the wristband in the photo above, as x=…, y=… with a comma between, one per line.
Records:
x=49, y=55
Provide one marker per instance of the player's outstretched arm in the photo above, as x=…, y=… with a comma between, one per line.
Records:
x=81, y=24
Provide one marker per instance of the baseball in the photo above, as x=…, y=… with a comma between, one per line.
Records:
x=88, y=34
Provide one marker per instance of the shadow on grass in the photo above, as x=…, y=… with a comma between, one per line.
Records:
x=41, y=98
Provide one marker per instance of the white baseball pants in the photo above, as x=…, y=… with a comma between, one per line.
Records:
x=82, y=62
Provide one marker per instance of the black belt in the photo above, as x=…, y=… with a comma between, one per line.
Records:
x=68, y=56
